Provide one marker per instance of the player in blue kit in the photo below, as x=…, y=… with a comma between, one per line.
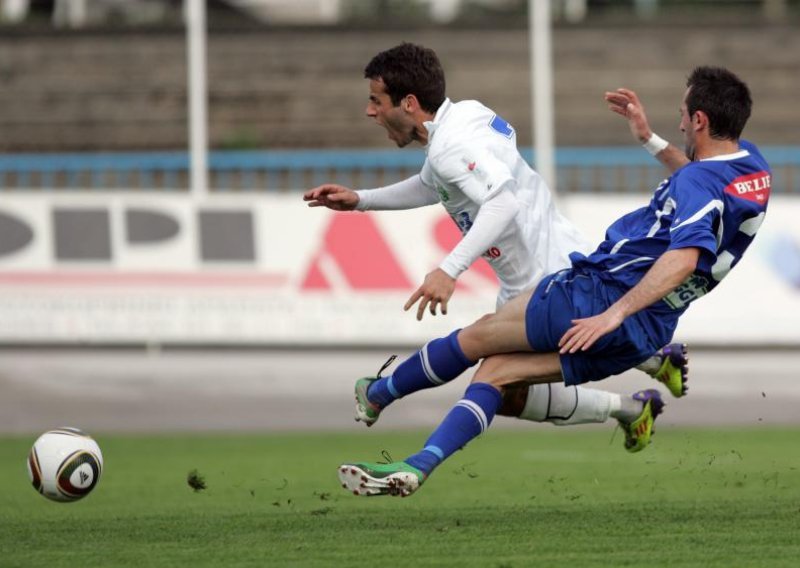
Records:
x=613, y=308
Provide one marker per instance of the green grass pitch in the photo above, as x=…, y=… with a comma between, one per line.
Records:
x=543, y=496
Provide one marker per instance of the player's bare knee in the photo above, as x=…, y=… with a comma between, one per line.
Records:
x=495, y=370
x=474, y=338
x=484, y=318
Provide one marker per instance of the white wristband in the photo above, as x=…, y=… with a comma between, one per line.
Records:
x=655, y=144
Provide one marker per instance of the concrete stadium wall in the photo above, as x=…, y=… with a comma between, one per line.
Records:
x=303, y=88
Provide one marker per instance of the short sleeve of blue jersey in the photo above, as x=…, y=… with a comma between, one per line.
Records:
x=697, y=212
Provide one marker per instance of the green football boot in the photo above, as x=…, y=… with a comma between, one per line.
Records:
x=674, y=371
x=638, y=432
x=372, y=479
x=366, y=411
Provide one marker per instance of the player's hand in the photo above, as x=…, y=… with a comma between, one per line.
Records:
x=332, y=196
x=626, y=103
x=584, y=332
x=434, y=292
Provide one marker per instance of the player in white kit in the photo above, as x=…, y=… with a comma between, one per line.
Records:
x=505, y=213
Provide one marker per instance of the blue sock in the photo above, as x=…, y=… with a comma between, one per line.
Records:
x=438, y=362
x=469, y=417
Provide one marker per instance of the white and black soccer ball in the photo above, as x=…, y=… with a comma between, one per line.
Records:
x=65, y=464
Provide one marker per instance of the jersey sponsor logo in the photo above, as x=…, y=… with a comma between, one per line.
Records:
x=693, y=287
x=443, y=195
x=471, y=166
x=492, y=253
x=753, y=187
x=463, y=221
x=501, y=126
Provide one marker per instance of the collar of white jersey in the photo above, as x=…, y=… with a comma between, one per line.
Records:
x=726, y=157
x=432, y=125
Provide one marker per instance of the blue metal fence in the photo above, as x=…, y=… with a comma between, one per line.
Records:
x=596, y=169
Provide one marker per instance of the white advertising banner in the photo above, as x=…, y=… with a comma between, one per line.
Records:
x=267, y=270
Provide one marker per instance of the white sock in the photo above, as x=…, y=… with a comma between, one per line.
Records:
x=564, y=406
x=629, y=409
x=651, y=365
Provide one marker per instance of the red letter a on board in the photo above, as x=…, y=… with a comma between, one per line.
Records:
x=355, y=255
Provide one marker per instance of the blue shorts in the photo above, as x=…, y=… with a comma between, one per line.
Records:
x=569, y=294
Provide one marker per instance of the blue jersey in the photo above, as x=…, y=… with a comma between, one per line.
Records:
x=715, y=205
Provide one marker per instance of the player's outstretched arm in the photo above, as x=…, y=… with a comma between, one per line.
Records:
x=332, y=196
x=668, y=272
x=407, y=194
x=626, y=103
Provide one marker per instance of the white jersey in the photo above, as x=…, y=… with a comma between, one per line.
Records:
x=472, y=156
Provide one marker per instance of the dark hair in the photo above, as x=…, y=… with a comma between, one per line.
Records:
x=409, y=69
x=723, y=97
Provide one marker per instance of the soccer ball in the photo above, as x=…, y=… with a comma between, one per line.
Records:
x=65, y=464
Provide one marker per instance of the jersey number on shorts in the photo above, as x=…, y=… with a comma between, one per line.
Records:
x=501, y=126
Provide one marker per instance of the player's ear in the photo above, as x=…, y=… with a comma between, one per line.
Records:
x=410, y=103
x=700, y=120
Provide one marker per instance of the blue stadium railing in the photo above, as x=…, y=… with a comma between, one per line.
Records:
x=596, y=169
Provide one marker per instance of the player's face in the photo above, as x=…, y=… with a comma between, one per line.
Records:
x=688, y=130
x=398, y=124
